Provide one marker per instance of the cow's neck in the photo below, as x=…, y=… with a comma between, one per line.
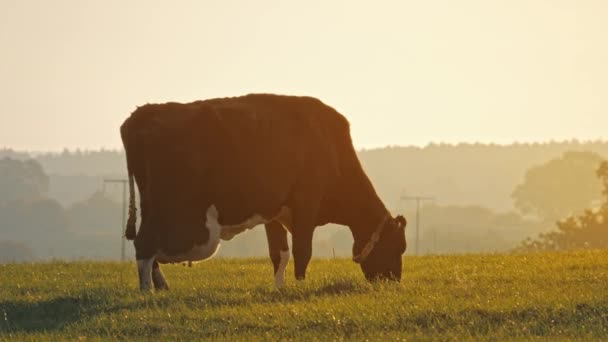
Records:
x=362, y=214
x=364, y=210
x=365, y=219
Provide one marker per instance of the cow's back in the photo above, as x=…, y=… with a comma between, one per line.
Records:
x=268, y=144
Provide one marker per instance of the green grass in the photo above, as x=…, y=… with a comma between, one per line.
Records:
x=498, y=297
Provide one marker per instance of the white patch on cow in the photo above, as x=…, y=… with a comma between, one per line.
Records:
x=217, y=232
x=285, y=219
x=279, y=277
x=200, y=252
x=144, y=269
x=230, y=231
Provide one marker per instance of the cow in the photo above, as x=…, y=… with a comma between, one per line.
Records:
x=211, y=169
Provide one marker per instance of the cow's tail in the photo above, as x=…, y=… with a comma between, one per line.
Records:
x=130, y=230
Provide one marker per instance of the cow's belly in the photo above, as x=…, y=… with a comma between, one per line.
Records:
x=195, y=254
x=230, y=231
x=223, y=232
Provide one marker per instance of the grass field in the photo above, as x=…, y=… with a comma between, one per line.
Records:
x=552, y=296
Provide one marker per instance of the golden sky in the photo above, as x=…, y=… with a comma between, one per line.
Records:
x=403, y=72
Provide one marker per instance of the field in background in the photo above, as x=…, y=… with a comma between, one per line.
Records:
x=449, y=297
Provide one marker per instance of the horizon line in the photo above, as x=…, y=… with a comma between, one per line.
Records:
x=430, y=144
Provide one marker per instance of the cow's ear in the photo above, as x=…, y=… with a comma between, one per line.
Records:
x=401, y=222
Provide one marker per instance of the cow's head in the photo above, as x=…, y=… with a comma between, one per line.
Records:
x=383, y=261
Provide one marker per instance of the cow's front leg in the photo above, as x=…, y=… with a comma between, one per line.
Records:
x=158, y=278
x=278, y=249
x=301, y=240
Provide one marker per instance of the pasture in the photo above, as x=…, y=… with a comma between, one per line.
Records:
x=549, y=295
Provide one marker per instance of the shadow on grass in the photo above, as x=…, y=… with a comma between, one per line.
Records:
x=304, y=292
x=55, y=314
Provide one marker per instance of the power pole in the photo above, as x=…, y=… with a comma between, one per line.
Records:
x=418, y=199
x=124, y=212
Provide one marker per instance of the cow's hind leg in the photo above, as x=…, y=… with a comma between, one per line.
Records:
x=144, y=268
x=278, y=250
x=145, y=255
x=158, y=278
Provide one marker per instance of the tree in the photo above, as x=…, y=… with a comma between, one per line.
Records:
x=33, y=220
x=588, y=230
x=21, y=180
x=560, y=187
x=96, y=214
x=602, y=174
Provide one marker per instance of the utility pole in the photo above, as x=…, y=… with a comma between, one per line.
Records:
x=124, y=212
x=418, y=199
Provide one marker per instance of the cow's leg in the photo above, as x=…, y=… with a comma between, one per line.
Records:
x=145, y=254
x=144, y=268
x=278, y=250
x=304, y=203
x=301, y=240
x=158, y=278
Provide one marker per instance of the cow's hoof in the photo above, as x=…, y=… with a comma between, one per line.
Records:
x=163, y=287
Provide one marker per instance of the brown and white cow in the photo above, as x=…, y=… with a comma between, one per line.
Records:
x=208, y=170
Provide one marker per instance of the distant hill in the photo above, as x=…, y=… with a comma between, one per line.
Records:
x=472, y=184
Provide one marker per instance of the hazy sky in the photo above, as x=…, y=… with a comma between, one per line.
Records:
x=403, y=72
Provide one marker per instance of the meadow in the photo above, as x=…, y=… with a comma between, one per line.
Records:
x=552, y=296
